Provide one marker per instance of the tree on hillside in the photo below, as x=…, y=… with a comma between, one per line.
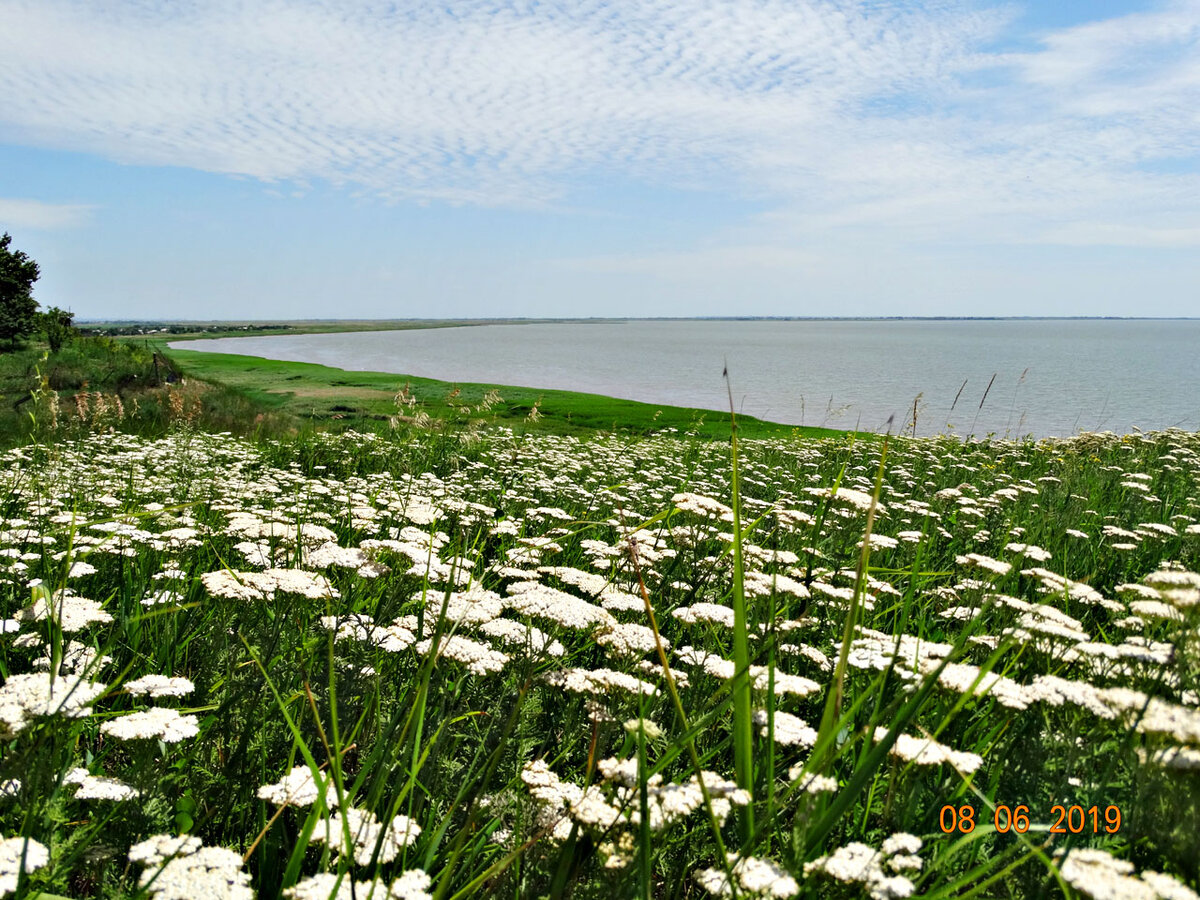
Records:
x=18, y=309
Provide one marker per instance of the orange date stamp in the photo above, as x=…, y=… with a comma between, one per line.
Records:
x=1073, y=819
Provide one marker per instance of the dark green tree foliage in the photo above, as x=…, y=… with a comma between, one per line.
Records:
x=18, y=309
x=57, y=325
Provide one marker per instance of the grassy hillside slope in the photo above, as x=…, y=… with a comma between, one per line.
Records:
x=93, y=384
x=328, y=395
x=143, y=387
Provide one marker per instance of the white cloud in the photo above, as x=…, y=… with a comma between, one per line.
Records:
x=1102, y=234
x=18, y=213
x=474, y=102
x=896, y=118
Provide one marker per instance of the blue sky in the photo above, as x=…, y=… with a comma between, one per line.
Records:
x=331, y=159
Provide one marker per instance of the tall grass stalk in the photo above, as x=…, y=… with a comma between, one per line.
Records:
x=743, y=722
x=982, y=399
x=645, y=860
x=833, y=703
x=293, y=868
x=689, y=740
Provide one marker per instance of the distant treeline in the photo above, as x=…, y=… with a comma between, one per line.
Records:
x=131, y=328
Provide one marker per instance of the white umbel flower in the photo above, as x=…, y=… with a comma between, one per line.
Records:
x=27, y=696
x=478, y=657
x=700, y=505
x=713, y=613
x=167, y=725
x=297, y=788
x=1029, y=551
x=99, y=787
x=812, y=784
x=928, y=752
x=757, y=877
x=327, y=886
x=156, y=850
x=857, y=862
x=1101, y=876
x=518, y=634
x=791, y=731
x=208, y=872
x=366, y=833
x=538, y=600
x=984, y=562
x=599, y=681
x=412, y=885
x=264, y=585
x=474, y=606
x=159, y=686
x=71, y=612
x=11, y=850
x=628, y=639
x=901, y=842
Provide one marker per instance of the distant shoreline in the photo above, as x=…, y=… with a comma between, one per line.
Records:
x=500, y=319
x=193, y=329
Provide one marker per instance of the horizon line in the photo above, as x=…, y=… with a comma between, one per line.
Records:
x=747, y=318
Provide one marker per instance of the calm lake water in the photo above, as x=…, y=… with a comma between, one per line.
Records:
x=1052, y=377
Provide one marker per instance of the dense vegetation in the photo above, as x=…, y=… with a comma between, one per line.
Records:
x=452, y=662
x=94, y=384
x=18, y=309
x=184, y=329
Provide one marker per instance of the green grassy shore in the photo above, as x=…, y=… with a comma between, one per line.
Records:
x=322, y=393
x=142, y=386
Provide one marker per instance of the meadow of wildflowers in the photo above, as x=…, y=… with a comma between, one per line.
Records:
x=431, y=664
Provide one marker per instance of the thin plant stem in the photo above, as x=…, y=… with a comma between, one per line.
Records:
x=743, y=725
